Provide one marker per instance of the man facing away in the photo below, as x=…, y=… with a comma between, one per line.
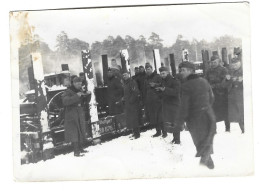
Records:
x=196, y=110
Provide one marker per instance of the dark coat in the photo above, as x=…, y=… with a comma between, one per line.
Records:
x=235, y=96
x=196, y=111
x=140, y=83
x=74, y=124
x=152, y=102
x=115, y=94
x=170, y=99
x=131, y=100
x=216, y=78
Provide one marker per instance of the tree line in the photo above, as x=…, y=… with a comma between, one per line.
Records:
x=68, y=51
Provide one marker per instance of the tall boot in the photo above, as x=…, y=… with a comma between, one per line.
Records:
x=176, y=137
x=76, y=149
x=158, y=131
x=227, y=125
x=81, y=149
x=241, y=124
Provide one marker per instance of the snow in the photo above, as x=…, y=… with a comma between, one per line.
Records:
x=149, y=157
x=56, y=88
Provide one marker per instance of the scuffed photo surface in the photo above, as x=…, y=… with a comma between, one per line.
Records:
x=60, y=36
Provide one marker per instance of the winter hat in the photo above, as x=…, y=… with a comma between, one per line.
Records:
x=76, y=79
x=148, y=65
x=163, y=69
x=214, y=57
x=235, y=60
x=141, y=67
x=187, y=64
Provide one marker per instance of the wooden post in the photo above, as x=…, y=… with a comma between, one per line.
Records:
x=224, y=56
x=215, y=53
x=89, y=75
x=31, y=77
x=229, y=58
x=172, y=64
x=205, y=59
x=41, y=104
x=156, y=60
x=98, y=74
x=105, y=68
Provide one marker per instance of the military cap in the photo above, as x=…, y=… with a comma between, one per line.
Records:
x=187, y=64
x=141, y=66
x=148, y=65
x=76, y=79
x=163, y=69
x=81, y=74
x=235, y=60
x=214, y=57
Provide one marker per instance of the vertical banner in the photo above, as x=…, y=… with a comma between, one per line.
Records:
x=125, y=60
x=185, y=55
x=88, y=70
x=205, y=59
x=166, y=63
x=172, y=63
x=156, y=60
x=105, y=69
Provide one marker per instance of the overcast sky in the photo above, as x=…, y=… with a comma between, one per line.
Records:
x=205, y=21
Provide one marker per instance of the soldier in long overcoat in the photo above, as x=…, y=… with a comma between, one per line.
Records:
x=74, y=124
x=196, y=110
x=152, y=102
x=132, y=105
x=234, y=84
x=115, y=92
x=170, y=97
x=216, y=76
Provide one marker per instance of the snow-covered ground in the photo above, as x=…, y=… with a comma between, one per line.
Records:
x=149, y=157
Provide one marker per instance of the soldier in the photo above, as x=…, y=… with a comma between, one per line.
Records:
x=170, y=95
x=234, y=84
x=216, y=76
x=140, y=81
x=131, y=100
x=115, y=91
x=196, y=110
x=136, y=73
x=74, y=124
x=153, y=106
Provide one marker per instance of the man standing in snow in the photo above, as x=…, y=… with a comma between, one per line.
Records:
x=74, y=124
x=216, y=76
x=115, y=91
x=170, y=95
x=234, y=84
x=153, y=106
x=132, y=105
x=196, y=110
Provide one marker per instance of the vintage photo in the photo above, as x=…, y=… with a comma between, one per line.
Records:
x=132, y=92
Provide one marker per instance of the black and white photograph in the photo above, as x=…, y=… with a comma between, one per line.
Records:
x=132, y=92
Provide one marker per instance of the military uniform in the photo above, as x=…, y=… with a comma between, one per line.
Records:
x=132, y=106
x=216, y=78
x=235, y=97
x=170, y=104
x=115, y=93
x=152, y=102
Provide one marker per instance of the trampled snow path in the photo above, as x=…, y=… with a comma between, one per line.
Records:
x=149, y=157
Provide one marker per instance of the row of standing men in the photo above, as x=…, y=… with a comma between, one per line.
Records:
x=170, y=102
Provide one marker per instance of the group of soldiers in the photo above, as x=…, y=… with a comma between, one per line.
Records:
x=171, y=103
x=183, y=101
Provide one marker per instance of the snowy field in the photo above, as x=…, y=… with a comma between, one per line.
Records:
x=149, y=157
